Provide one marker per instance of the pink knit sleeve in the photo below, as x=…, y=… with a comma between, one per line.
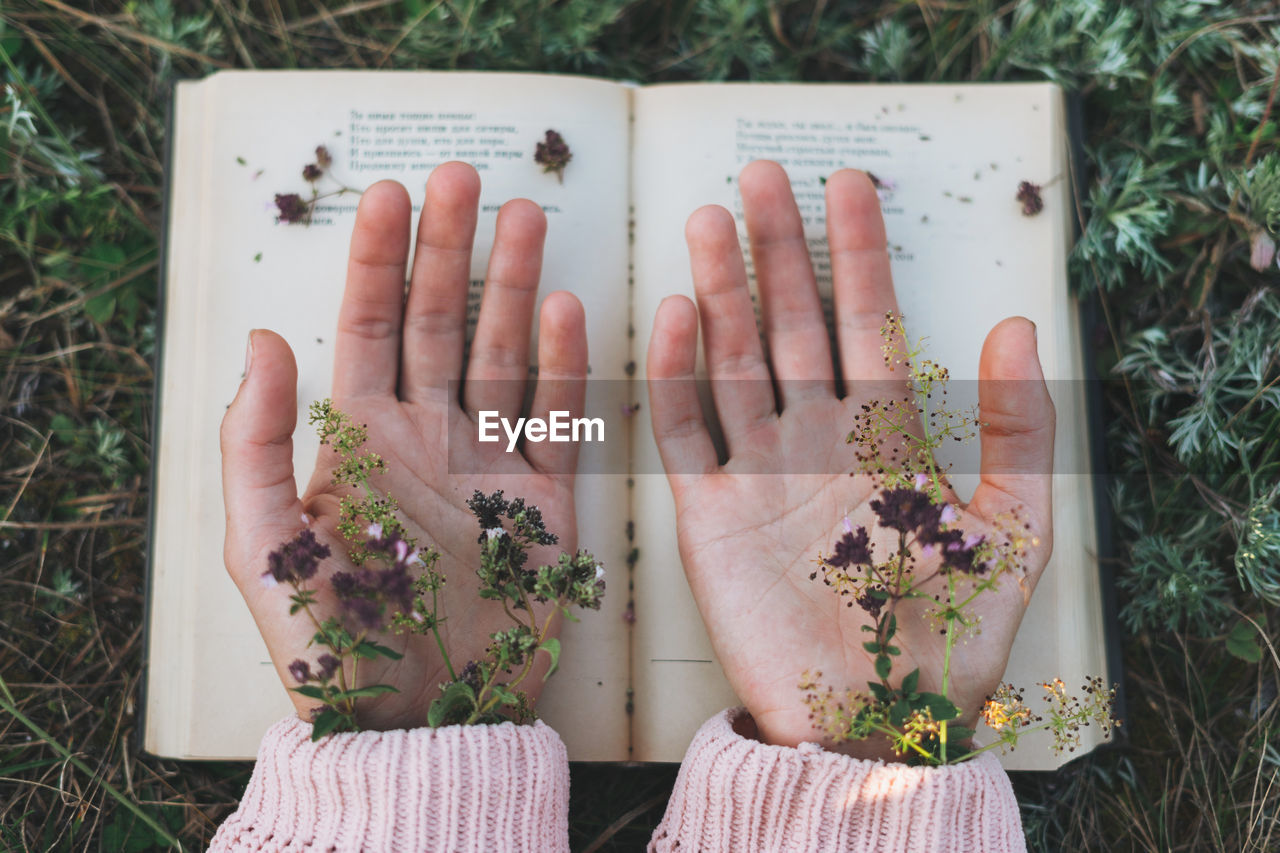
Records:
x=500, y=788
x=738, y=794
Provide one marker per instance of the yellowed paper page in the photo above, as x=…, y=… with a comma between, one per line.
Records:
x=963, y=258
x=245, y=136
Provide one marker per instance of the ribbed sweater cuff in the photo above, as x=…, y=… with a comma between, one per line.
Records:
x=501, y=788
x=743, y=795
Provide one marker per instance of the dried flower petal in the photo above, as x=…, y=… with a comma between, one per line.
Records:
x=1029, y=195
x=553, y=154
x=290, y=208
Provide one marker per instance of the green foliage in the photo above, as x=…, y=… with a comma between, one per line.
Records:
x=1258, y=552
x=1261, y=186
x=1173, y=587
x=1174, y=94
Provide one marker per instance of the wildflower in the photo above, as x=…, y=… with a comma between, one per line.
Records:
x=300, y=671
x=1029, y=195
x=328, y=666
x=553, y=154
x=323, y=157
x=311, y=173
x=905, y=510
x=291, y=208
x=298, y=559
x=851, y=549
x=872, y=604
x=962, y=555
x=1005, y=709
x=471, y=675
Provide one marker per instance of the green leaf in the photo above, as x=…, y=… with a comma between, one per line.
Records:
x=457, y=695
x=101, y=307
x=310, y=691
x=899, y=712
x=368, y=649
x=552, y=648
x=364, y=692
x=879, y=691
x=872, y=646
x=325, y=722
x=1242, y=642
x=893, y=650
x=940, y=706
x=883, y=665
x=956, y=733
x=507, y=697
x=910, y=683
x=893, y=627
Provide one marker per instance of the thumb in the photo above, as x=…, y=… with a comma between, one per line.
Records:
x=258, y=488
x=1018, y=421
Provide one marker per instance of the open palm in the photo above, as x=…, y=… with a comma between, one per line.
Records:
x=750, y=530
x=395, y=359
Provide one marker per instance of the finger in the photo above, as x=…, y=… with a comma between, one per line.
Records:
x=367, y=349
x=435, y=322
x=799, y=352
x=1017, y=430
x=258, y=488
x=562, y=378
x=740, y=379
x=862, y=286
x=499, y=362
x=674, y=408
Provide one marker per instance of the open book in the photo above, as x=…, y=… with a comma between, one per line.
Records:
x=638, y=677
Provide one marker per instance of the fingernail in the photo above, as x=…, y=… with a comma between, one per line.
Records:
x=248, y=356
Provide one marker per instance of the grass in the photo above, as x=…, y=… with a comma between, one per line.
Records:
x=1181, y=130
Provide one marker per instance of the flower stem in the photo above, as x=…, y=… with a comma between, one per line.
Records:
x=435, y=630
x=946, y=659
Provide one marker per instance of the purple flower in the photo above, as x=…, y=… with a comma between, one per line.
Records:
x=905, y=510
x=871, y=603
x=298, y=559
x=553, y=154
x=328, y=666
x=300, y=671
x=290, y=208
x=471, y=676
x=948, y=515
x=365, y=611
x=311, y=172
x=1029, y=195
x=323, y=157
x=851, y=549
x=961, y=554
x=397, y=587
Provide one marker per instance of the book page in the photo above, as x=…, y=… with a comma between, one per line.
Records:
x=949, y=159
x=242, y=137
